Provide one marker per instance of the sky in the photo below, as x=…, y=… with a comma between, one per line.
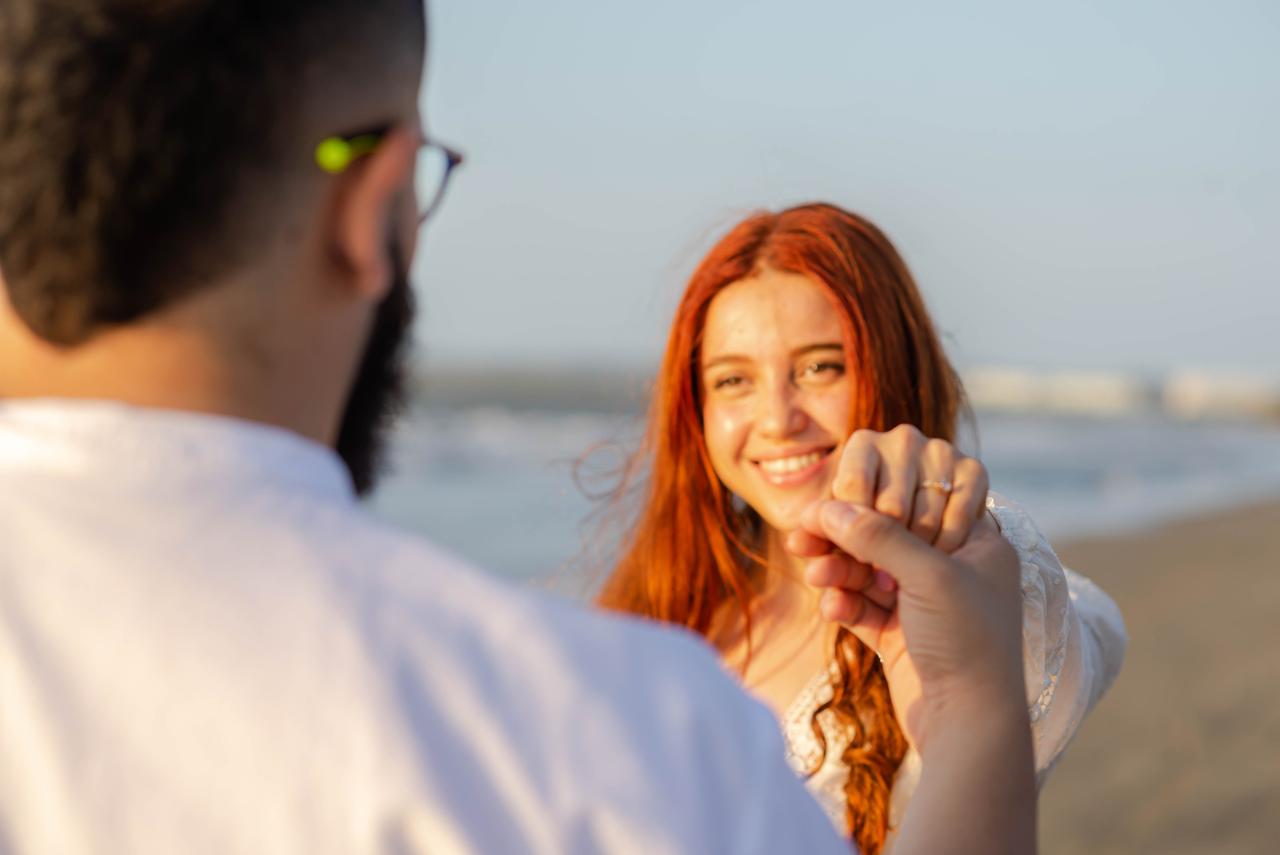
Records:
x=1085, y=185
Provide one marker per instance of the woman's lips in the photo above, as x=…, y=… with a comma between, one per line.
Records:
x=793, y=471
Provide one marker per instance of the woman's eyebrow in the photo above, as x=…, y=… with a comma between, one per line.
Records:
x=798, y=352
x=723, y=359
x=810, y=348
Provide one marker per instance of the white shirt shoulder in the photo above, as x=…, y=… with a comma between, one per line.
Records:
x=631, y=737
x=207, y=646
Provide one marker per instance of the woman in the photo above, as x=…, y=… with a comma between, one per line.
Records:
x=800, y=347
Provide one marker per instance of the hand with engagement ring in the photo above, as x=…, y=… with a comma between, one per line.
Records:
x=926, y=484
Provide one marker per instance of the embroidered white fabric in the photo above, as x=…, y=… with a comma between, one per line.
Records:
x=1073, y=643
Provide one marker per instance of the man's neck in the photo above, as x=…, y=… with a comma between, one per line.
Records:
x=164, y=366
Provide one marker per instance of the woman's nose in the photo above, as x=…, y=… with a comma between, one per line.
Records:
x=780, y=414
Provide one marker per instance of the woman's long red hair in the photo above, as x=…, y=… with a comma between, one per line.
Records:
x=694, y=551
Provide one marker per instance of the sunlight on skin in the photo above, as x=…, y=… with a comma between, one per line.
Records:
x=777, y=397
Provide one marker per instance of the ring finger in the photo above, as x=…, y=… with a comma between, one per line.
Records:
x=937, y=474
x=965, y=504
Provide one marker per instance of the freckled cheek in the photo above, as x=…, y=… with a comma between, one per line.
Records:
x=727, y=429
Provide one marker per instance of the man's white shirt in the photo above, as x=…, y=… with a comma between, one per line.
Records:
x=206, y=646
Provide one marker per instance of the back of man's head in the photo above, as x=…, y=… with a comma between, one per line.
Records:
x=151, y=147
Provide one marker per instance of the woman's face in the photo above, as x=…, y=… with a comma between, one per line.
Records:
x=777, y=396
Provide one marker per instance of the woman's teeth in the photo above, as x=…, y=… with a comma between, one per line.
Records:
x=790, y=464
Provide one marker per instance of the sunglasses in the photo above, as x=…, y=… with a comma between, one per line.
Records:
x=434, y=165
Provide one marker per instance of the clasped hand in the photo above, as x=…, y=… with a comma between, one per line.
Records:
x=946, y=626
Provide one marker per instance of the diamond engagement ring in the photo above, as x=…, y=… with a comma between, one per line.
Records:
x=944, y=487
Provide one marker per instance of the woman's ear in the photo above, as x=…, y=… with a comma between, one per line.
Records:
x=369, y=196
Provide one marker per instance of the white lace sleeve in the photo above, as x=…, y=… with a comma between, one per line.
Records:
x=1073, y=643
x=1073, y=637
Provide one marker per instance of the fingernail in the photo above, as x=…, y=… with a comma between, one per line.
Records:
x=838, y=514
x=828, y=606
x=885, y=582
x=812, y=577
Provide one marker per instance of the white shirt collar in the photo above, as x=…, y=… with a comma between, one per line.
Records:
x=128, y=443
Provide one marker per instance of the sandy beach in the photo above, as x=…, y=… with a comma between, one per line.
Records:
x=1183, y=755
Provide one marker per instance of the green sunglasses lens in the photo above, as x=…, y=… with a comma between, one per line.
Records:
x=335, y=154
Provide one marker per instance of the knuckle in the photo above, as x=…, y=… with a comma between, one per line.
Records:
x=973, y=469
x=853, y=573
x=851, y=485
x=824, y=571
x=860, y=441
x=940, y=450
x=892, y=505
x=945, y=543
x=927, y=522
x=855, y=472
x=855, y=461
x=908, y=433
x=984, y=481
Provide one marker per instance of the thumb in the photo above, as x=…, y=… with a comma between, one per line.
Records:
x=880, y=541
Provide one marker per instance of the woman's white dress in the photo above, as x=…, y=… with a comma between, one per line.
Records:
x=1073, y=643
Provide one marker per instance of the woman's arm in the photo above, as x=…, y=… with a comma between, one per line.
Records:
x=1073, y=637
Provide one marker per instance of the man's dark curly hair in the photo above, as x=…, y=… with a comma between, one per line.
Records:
x=145, y=145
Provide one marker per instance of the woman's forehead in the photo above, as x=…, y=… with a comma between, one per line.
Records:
x=770, y=311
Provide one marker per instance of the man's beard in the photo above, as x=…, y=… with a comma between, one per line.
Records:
x=379, y=394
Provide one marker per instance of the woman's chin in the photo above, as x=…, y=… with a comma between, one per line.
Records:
x=789, y=517
x=786, y=512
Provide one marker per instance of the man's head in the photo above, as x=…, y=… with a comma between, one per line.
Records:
x=158, y=189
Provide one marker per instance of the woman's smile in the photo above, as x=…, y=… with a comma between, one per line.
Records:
x=793, y=469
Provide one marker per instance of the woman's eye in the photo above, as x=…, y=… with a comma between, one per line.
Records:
x=729, y=382
x=824, y=369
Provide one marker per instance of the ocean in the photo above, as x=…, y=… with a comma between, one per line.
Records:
x=500, y=486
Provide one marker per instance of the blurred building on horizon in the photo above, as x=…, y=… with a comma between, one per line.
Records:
x=1184, y=395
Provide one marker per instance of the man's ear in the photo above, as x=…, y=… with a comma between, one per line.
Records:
x=369, y=194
